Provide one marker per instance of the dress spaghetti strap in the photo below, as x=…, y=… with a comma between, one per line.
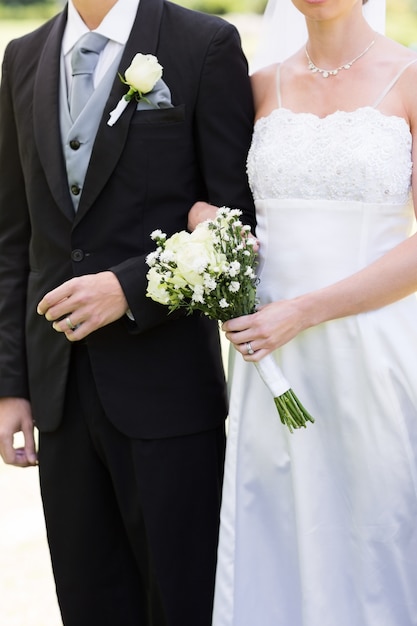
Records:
x=278, y=85
x=375, y=104
x=391, y=84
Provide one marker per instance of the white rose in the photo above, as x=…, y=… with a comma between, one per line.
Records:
x=189, y=259
x=177, y=281
x=155, y=290
x=196, y=256
x=143, y=73
x=206, y=237
x=176, y=241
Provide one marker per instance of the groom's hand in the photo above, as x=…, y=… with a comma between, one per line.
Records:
x=16, y=417
x=83, y=304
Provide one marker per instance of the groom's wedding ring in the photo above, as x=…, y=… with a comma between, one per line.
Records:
x=69, y=323
x=249, y=349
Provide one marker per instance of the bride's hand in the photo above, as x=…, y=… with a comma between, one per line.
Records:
x=266, y=330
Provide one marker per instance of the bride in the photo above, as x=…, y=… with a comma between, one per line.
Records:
x=319, y=527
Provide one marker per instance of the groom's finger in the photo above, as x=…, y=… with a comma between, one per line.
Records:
x=47, y=306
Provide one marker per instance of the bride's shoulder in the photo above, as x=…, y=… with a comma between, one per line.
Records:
x=398, y=64
x=396, y=54
x=264, y=84
x=263, y=77
x=401, y=65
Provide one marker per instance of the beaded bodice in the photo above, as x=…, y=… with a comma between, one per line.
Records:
x=362, y=155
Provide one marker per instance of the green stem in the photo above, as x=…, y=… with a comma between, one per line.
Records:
x=292, y=413
x=131, y=94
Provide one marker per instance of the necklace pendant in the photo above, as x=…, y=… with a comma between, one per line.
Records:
x=326, y=73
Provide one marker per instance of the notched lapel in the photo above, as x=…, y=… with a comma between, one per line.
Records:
x=47, y=131
x=110, y=140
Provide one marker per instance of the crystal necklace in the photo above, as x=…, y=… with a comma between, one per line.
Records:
x=346, y=66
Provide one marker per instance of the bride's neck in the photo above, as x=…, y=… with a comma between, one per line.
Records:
x=331, y=45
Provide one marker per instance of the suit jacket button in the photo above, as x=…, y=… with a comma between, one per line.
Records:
x=74, y=144
x=77, y=255
x=75, y=190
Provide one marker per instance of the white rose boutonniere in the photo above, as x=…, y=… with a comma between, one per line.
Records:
x=141, y=77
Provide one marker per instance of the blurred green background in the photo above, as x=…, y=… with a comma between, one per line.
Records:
x=17, y=16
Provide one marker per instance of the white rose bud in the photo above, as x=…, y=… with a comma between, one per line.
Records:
x=143, y=73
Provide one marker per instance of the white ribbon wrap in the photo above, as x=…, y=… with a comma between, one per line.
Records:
x=116, y=113
x=272, y=375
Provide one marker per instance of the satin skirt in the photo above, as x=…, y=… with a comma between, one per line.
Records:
x=319, y=527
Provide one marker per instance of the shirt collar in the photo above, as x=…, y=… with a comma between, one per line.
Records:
x=116, y=25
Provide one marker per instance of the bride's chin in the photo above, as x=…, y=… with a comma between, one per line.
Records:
x=300, y=4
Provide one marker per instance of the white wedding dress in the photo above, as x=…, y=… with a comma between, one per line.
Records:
x=319, y=527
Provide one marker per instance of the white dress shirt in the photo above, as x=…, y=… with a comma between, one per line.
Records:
x=116, y=26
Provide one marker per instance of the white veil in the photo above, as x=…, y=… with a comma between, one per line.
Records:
x=283, y=30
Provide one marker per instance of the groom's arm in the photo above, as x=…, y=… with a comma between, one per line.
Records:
x=15, y=410
x=222, y=133
x=14, y=244
x=224, y=124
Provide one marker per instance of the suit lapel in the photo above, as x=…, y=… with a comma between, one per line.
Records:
x=46, y=117
x=110, y=140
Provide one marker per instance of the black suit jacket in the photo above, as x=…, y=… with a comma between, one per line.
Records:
x=161, y=375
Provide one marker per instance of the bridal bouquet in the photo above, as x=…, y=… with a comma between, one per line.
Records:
x=212, y=270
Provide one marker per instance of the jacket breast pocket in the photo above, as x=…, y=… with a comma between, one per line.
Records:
x=159, y=147
x=173, y=115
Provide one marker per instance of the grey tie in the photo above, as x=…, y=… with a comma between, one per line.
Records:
x=83, y=62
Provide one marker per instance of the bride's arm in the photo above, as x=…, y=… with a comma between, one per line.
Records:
x=200, y=212
x=390, y=278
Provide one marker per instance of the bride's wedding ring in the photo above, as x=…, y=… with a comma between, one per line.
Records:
x=69, y=323
x=249, y=349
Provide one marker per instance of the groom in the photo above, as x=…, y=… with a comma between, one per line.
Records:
x=129, y=401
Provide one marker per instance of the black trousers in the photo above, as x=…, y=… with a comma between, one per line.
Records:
x=132, y=524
